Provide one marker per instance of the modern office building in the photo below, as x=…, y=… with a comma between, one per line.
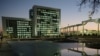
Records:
x=16, y=27
x=45, y=21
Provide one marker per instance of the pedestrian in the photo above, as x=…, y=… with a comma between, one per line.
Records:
x=1, y=37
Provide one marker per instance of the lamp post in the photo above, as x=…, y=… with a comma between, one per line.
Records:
x=77, y=30
x=83, y=30
x=98, y=29
x=73, y=30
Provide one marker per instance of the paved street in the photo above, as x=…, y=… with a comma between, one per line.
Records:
x=5, y=49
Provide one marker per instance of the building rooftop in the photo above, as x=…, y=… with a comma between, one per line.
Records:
x=45, y=7
x=16, y=18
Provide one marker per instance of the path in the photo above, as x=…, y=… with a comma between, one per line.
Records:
x=5, y=49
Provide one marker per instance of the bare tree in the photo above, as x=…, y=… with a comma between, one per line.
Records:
x=93, y=4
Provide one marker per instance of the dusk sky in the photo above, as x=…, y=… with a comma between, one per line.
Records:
x=70, y=13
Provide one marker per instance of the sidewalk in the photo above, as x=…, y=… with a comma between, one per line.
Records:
x=5, y=49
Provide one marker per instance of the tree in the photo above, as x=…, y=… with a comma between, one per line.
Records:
x=93, y=4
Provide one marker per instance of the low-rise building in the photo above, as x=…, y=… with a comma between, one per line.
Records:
x=16, y=27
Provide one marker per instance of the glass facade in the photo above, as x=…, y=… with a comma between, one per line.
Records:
x=46, y=20
x=23, y=29
x=17, y=27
